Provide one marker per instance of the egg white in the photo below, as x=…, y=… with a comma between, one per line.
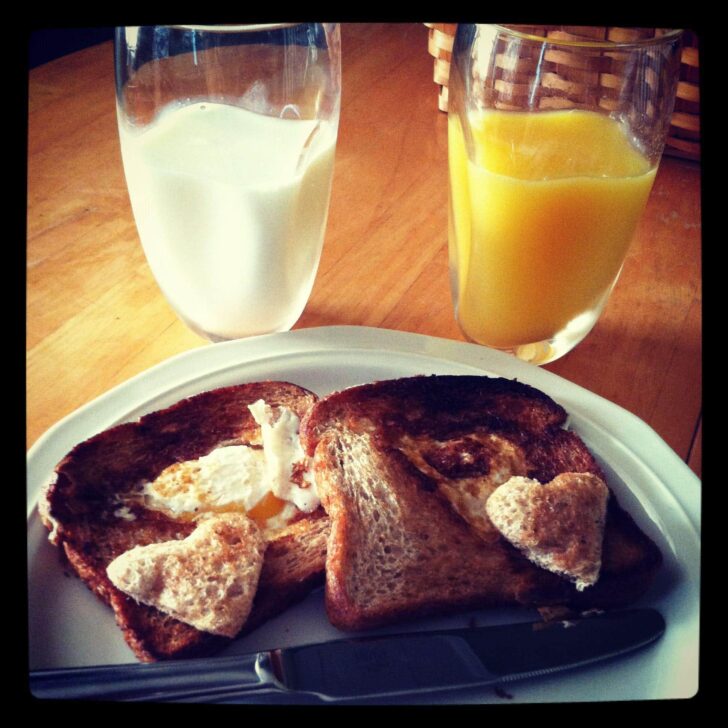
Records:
x=239, y=477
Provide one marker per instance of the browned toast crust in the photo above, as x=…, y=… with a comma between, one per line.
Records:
x=416, y=448
x=81, y=509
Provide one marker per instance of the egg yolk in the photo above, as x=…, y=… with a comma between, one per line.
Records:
x=267, y=507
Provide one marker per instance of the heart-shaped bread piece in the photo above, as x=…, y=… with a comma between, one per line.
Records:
x=207, y=580
x=557, y=525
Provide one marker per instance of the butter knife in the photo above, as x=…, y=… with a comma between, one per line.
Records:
x=367, y=668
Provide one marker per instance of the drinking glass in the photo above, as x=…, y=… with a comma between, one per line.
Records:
x=554, y=139
x=227, y=137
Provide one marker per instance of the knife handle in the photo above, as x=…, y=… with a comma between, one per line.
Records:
x=160, y=681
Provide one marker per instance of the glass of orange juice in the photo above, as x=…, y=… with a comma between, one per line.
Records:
x=555, y=135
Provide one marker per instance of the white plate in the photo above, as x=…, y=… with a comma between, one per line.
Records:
x=70, y=627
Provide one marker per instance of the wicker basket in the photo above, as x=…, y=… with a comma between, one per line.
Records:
x=684, y=135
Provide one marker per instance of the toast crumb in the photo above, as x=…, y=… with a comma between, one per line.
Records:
x=559, y=525
x=207, y=580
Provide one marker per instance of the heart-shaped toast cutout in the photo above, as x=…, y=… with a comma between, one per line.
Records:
x=207, y=580
x=558, y=525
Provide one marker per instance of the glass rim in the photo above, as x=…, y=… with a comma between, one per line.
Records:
x=236, y=27
x=668, y=35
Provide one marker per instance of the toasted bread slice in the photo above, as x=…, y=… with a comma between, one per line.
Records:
x=94, y=513
x=405, y=468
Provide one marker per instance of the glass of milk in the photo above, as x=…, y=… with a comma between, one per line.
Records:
x=227, y=138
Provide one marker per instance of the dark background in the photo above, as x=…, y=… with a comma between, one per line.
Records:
x=45, y=44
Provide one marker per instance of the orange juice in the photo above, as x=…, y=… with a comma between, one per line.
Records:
x=542, y=212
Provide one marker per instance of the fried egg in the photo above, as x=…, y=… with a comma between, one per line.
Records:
x=269, y=483
x=467, y=470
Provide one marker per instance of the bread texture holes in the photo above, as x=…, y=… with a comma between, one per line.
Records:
x=201, y=580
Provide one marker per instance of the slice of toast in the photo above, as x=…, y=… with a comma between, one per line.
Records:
x=404, y=469
x=94, y=514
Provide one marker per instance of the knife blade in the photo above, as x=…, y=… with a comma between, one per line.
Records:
x=366, y=668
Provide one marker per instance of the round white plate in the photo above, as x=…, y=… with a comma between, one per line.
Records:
x=68, y=626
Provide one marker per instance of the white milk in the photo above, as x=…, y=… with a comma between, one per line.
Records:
x=231, y=209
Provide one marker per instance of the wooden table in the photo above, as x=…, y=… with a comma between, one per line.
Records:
x=95, y=316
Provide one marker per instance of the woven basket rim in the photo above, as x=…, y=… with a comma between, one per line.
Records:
x=669, y=35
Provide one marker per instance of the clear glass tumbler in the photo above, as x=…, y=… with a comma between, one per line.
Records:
x=227, y=137
x=555, y=136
